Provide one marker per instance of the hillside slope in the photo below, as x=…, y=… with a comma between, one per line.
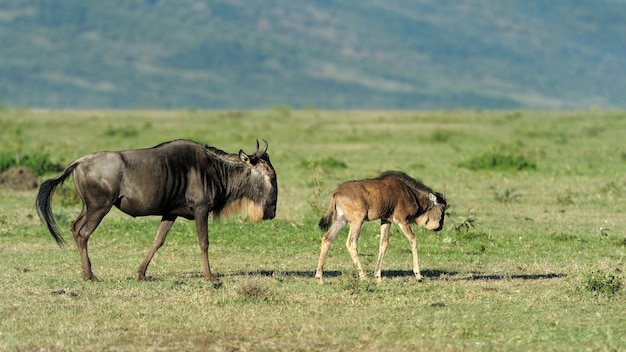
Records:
x=398, y=54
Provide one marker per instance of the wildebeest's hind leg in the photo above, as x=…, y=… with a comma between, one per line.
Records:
x=406, y=229
x=84, y=225
x=384, y=242
x=159, y=239
x=327, y=239
x=351, y=245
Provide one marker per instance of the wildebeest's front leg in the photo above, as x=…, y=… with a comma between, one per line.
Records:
x=202, y=227
x=384, y=242
x=406, y=229
x=159, y=239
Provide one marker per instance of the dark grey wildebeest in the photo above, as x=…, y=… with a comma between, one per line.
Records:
x=391, y=197
x=173, y=179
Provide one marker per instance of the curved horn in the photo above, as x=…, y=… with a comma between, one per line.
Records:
x=261, y=152
x=256, y=152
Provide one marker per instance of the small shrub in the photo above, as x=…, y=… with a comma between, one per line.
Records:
x=120, y=132
x=602, y=283
x=496, y=161
x=441, y=135
x=6, y=161
x=464, y=225
x=37, y=163
x=508, y=196
x=40, y=164
x=328, y=163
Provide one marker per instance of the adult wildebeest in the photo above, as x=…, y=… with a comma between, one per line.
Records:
x=177, y=178
x=391, y=197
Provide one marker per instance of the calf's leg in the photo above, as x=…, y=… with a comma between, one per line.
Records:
x=406, y=229
x=351, y=245
x=327, y=239
x=384, y=242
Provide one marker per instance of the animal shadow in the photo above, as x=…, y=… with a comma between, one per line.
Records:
x=471, y=276
x=443, y=275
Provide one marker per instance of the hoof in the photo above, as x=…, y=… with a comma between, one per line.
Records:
x=213, y=279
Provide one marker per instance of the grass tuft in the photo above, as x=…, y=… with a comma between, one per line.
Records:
x=508, y=196
x=255, y=289
x=353, y=284
x=602, y=282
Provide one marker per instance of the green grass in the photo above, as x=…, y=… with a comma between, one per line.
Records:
x=529, y=259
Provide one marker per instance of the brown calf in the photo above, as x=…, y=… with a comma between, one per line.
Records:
x=391, y=197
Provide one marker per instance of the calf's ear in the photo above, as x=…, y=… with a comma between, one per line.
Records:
x=433, y=198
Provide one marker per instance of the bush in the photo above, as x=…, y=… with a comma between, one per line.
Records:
x=499, y=162
x=37, y=163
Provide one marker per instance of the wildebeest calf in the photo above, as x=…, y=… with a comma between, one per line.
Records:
x=173, y=179
x=391, y=197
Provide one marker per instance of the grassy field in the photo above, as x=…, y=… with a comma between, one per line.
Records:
x=531, y=256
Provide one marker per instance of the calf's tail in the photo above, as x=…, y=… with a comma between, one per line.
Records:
x=327, y=218
x=42, y=202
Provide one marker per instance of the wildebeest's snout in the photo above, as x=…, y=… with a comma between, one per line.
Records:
x=434, y=224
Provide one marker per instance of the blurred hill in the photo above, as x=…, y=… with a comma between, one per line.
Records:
x=339, y=54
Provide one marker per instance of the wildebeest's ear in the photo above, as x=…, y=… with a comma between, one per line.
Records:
x=433, y=198
x=244, y=157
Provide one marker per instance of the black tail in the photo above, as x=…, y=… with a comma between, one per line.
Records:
x=42, y=202
x=327, y=218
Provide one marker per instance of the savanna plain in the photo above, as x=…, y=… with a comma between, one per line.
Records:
x=531, y=256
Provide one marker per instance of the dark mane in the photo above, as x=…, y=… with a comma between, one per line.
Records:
x=407, y=180
x=212, y=150
x=176, y=141
x=215, y=150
